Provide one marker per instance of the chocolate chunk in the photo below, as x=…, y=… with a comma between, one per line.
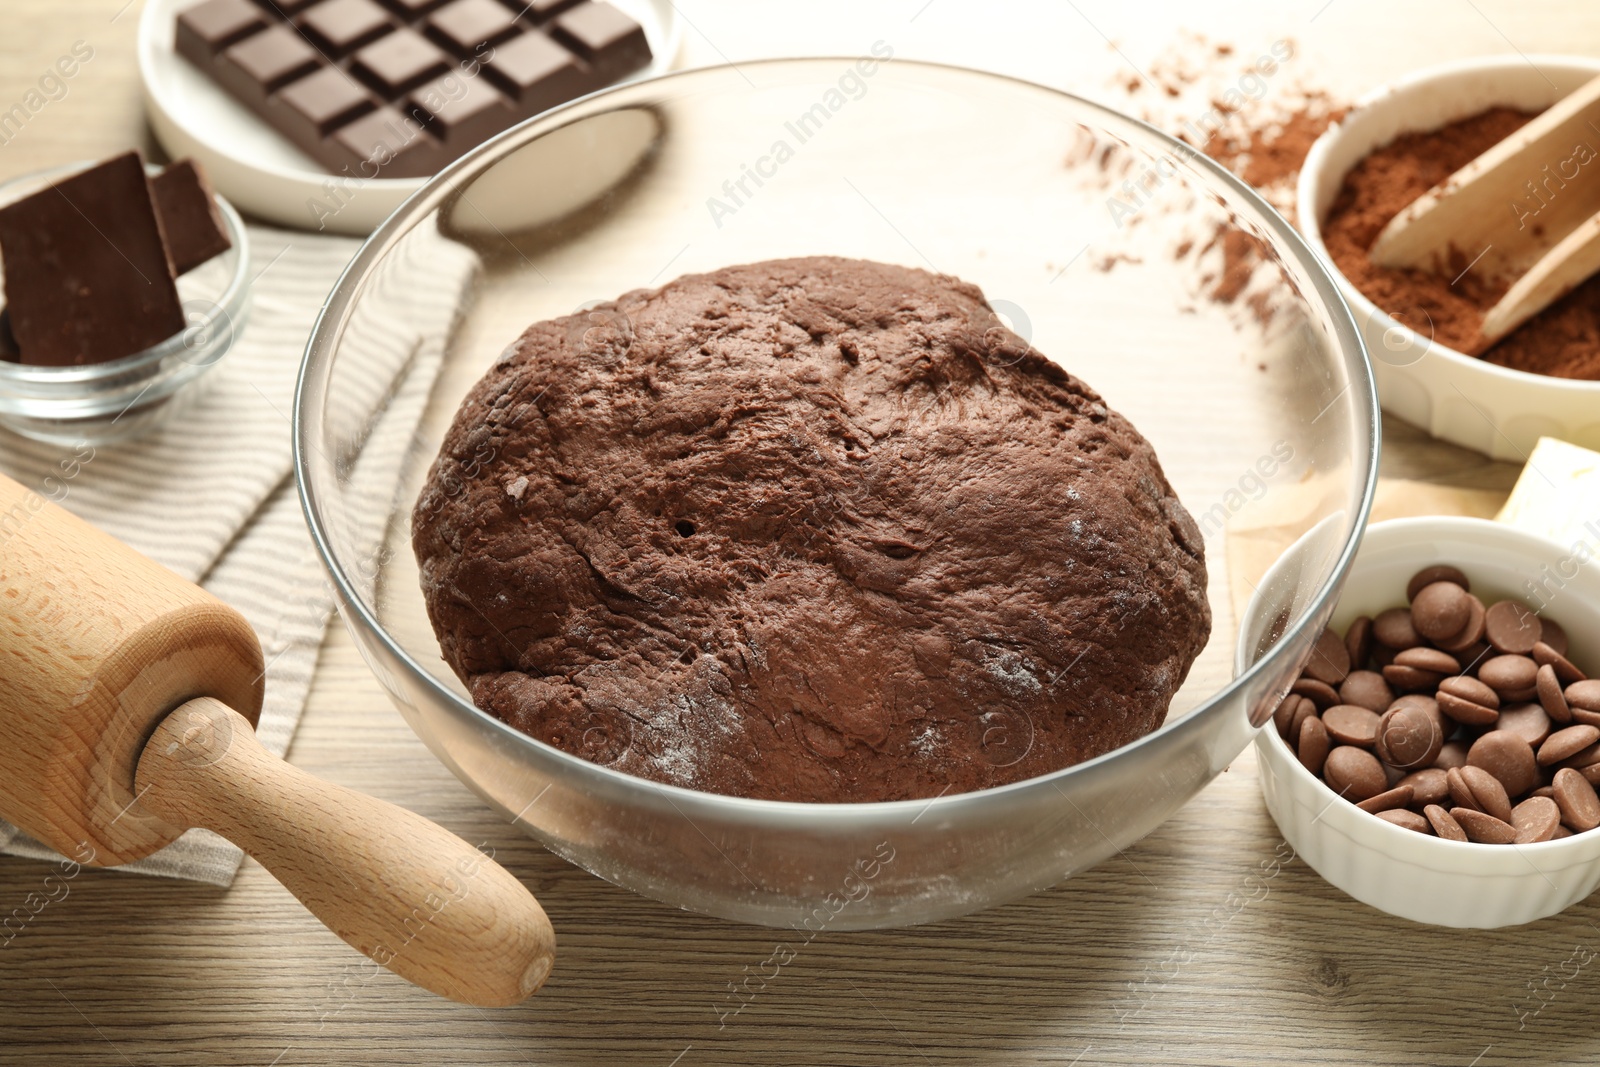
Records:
x=330, y=75
x=186, y=209
x=86, y=272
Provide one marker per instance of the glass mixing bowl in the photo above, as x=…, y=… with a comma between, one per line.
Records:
x=1116, y=250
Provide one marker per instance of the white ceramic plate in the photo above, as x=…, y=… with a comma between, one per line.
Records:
x=259, y=170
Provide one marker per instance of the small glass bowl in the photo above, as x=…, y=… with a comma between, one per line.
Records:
x=99, y=403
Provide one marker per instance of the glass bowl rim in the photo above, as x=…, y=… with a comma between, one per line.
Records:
x=226, y=305
x=334, y=316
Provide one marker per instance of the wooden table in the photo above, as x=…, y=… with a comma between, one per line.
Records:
x=1161, y=956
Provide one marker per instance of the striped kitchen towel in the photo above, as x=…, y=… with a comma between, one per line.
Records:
x=211, y=495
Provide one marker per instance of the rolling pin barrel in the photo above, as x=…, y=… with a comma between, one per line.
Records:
x=128, y=706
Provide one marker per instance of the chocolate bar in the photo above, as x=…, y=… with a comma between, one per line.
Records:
x=402, y=87
x=87, y=278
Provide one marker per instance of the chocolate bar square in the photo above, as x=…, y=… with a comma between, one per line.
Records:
x=320, y=103
x=86, y=274
x=265, y=62
x=399, y=62
x=337, y=27
x=605, y=38
x=208, y=28
x=388, y=141
x=464, y=26
x=460, y=111
x=538, y=73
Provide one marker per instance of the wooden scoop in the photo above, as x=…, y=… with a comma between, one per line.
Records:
x=128, y=699
x=1529, y=206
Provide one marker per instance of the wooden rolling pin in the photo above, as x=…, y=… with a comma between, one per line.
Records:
x=128, y=701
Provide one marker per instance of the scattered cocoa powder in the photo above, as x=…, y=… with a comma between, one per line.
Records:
x=1562, y=341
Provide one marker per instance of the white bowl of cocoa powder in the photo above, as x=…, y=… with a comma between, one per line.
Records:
x=1394, y=145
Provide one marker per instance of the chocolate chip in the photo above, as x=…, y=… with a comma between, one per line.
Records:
x=1508, y=758
x=1553, y=635
x=1313, y=744
x=1488, y=793
x=1428, y=786
x=1453, y=754
x=1398, y=797
x=1468, y=701
x=1440, y=611
x=1428, y=659
x=1366, y=689
x=1409, y=820
x=1443, y=823
x=1393, y=629
x=1358, y=641
x=1283, y=715
x=1464, y=645
x=1329, y=661
x=1527, y=721
x=1321, y=694
x=1564, y=744
x=1483, y=828
x=1349, y=724
x=1512, y=626
x=1565, y=670
x=1510, y=675
x=1408, y=738
x=1535, y=819
x=1586, y=757
x=1550, y=695
x=1440, y=573
x=1580, y=806
x=1403, y=677
x=1584, y=695
x=1306, y=710
x=1354, y=773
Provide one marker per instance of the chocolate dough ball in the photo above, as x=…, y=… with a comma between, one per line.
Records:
x=813, y=529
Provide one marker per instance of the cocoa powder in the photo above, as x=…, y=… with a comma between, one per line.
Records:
x=1562, y=341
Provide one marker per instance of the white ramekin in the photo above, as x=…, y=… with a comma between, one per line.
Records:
x=1415, y=876
x=1453, y=396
